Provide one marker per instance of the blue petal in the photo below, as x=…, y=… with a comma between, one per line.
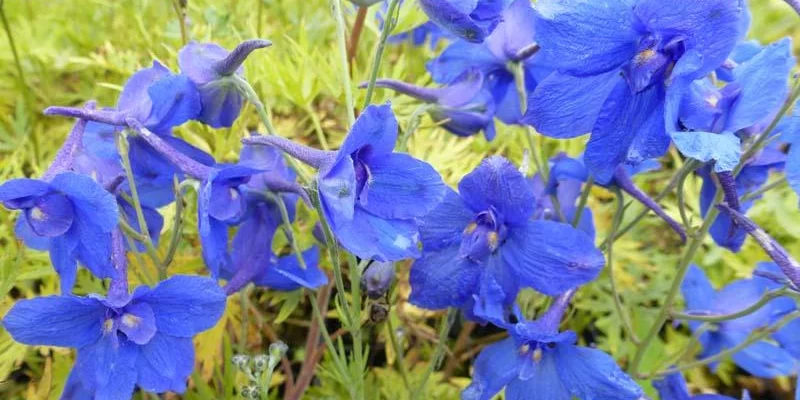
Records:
x=764, y=82
x=592, y=374
x=63, y=255
x=765, y=360
x=214, y=241
x=74, y=389
x=108, y=368
x=724, y=148
x=165, y=364
x=92, y=203
x=440, y=279
x=138, y=323
x=624, y=116
x=100, y=140
x=371, y=237
x=789, y=339
x=184, y=305
x=221, y=104
x=461, y=57
x=723, y=231
x=543, y=380
x=287, y=275
x=504, y=92
x=337, y=192
x=672, y=387
x=21, y=193
x=196, y=61
x=551, y=257
x=496, y=366
x=52, y=215
x=175, y=101
x=401, y=186
x=564, y=106
x=442, y=227
x=710, y=28
x=66, y=321
x=29, y=237
x=94, y=249
x=134, y=98
x=515, y=31
x=737, y=296
x=498, y=184
x=697, y=290
x=456, y=18
x=375, y=129
x=585, y=37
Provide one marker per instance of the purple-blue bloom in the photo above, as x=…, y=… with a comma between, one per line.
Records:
x=210, y=67
x=464, y=106
x=673, y=387
x=704, y=119
x=481, y=246
x=371, y=196
x=613, y=61
x=514, y=35
x=471, y=20
x=538, y=359
x=762, y=358
x=565, y=182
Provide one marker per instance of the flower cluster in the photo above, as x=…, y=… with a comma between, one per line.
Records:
x=638, y=76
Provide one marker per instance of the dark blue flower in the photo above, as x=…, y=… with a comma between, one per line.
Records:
x=761, y=358
x=210, y=67
x=565, y=182
x=513, y=36
x=673, y=387
x=370, y=195
x=471, y=20
x=613, y=60
x=464, y=107
x=144, y=340
x=537, y=358
x=705, y=118
x=482, y=245
x=71, y=216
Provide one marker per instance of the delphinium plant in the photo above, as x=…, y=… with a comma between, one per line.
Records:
x=364, y=244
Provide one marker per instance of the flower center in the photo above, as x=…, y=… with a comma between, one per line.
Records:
x=652, y=62
x=482, y=237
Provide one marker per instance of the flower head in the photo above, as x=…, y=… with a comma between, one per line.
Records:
x=210, y=66
x=673, y=387
x=762, y=358
x=471, y=20
x=464, y=107
x=145, y=340
x=613, y=60
x=537, y=358
x=480, y=246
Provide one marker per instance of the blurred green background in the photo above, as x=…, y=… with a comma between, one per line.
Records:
x=70, y=51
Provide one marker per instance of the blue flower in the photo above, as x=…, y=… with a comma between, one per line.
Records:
x=673, y=387
x=377, y=279
x=252, y=258
x=613, y=60
x=371, y=196
x=427, y=32
x=210, y=67
x=482, y=245
x=789, y=128
x=565, y=182
x=537, y=358
x=464, y=107
x=144, y=340
x=471, y=20
x=705, y=119
x=753, y=176
x=509, y=43
x=762, y=358
x=71, y=216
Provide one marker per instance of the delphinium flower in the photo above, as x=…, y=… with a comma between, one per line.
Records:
x=66, y=213
x=511, y=42
x=791, y=135
x=613, y=60
x=762, y=358
x=371, y=196
x=538, y=360
x=211, y=68
x=426, y=32
x=752, y=177
x=480, y=246
x=565, y=181
x=705, y=119
x=464, y=107
x=252, y=258
x=673, y=387
x=143, y=339
x=471, y=20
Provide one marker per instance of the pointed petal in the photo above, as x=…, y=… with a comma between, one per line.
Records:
x=165, y=364
x=590, y=373
x=66, y=321
x=184, y=305
x=697, y=290
x=441, y=279
x=442, y=227
x=108, y=368
x=765, y=360
x=175, y=100
x=544, y=381
x=376, y=127
x=496, y=366
x=371, y=237
x=287, y=275
x=498, y=184
x=402, y=187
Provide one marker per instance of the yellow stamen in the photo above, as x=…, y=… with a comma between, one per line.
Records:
x=108, y=325
x=493, y=239
x=471, y=228
x=37, y=214
x=131, y=320
x=644, y=56
x=537, y=355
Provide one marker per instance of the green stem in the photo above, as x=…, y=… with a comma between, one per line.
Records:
x=398, y=354
x=337, y=361
x=177, y=225
x=766, y=298
x=682, y=205
x=587, y=189
x=181, y=13
x=626, y=320
x=287, y=227
x=317, y=127
x=444, y=330
x=413, y=124
x=388, y=25
x=141, y=272
x=758, y=336
x=756, y=193
x=341, y=40
x=537, y=156
x=244, y=304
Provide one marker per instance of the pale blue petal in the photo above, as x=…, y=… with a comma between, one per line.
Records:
x=723, y=148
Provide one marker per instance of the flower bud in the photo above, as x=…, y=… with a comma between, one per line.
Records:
x=377, y=279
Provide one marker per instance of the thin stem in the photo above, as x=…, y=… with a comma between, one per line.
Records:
x=623, y=314
x=180, y=11
x=142, y=273
x=766, y=298
x=413, y=124
x=337, y=361
x=388, y=25
x=317, y=127
x=355, y=36
x=244, y=303
x=766, y=188
x=557, y=207
x=341, y=39
x=287, y=227
x=177, y=225
x=444, y=330
x=398, y=353
x=758, y=336
x=682, y=204
x=540, y=162
x=683, y=266
x=587, y=189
